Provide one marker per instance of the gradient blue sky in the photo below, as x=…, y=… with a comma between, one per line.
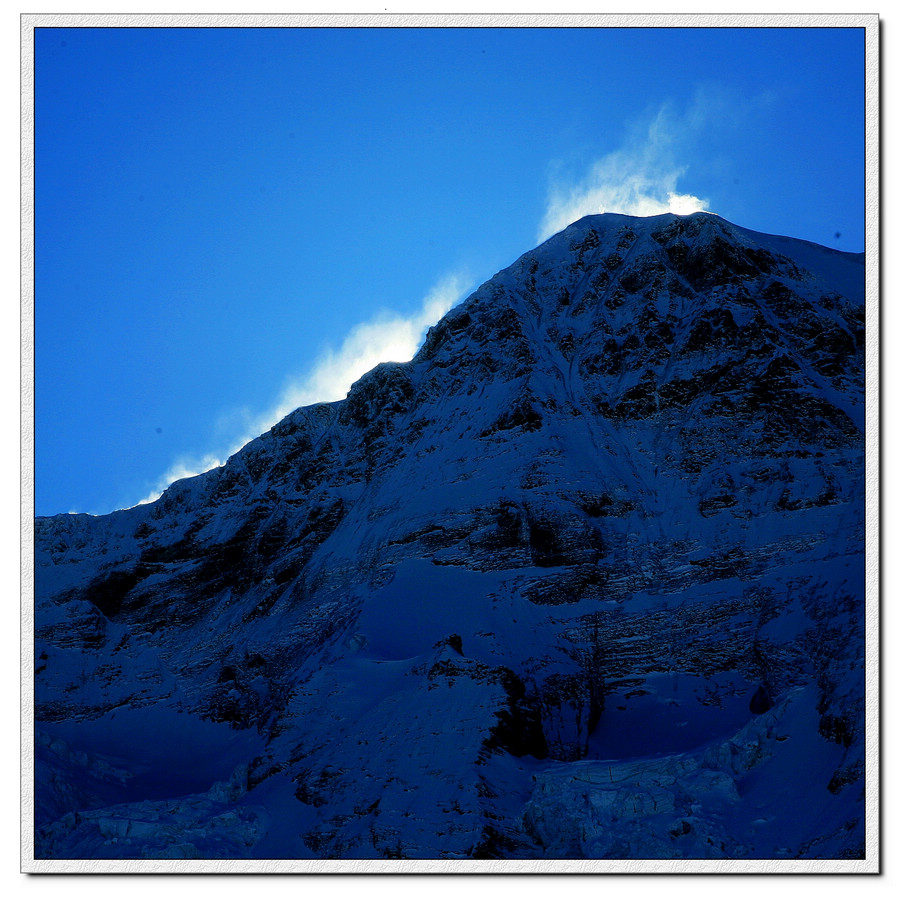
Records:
x=229, y=222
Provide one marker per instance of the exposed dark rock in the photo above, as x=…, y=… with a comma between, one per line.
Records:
x=761, y=700
x=108, y=593
x=518, y=729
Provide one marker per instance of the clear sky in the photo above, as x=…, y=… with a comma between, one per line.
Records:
x=231, y=222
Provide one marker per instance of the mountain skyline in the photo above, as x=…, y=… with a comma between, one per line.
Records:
x=301, y=211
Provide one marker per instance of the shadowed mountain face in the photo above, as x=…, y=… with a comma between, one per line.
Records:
x=585, y=578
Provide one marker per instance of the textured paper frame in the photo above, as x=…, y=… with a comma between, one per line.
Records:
x=872, y=863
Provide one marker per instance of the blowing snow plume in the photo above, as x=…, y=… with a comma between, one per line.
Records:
x=639, y=179
x=387, y=337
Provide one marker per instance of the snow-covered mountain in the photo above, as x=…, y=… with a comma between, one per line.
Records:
x=584, y=579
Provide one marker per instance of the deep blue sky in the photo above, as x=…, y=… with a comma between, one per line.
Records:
x=217, y=208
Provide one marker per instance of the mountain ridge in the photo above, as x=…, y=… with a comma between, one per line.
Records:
x=585, y=223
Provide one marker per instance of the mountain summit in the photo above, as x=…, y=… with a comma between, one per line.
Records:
x=584, y=579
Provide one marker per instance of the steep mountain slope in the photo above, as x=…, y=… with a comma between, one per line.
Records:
x=583, y=579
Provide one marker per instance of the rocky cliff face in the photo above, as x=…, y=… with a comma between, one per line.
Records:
x=583, y=579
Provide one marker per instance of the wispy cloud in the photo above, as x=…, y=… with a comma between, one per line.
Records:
x=389, y=337
x=182, y=468
x=640, y=178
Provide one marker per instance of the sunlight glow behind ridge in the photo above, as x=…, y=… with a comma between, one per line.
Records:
x=386, y=338
x=638, y=179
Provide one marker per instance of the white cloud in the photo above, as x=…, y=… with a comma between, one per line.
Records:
x=389, y=337
x=638, y=179
x=183, y=468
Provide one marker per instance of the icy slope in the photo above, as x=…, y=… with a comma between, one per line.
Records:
x=612, y=510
